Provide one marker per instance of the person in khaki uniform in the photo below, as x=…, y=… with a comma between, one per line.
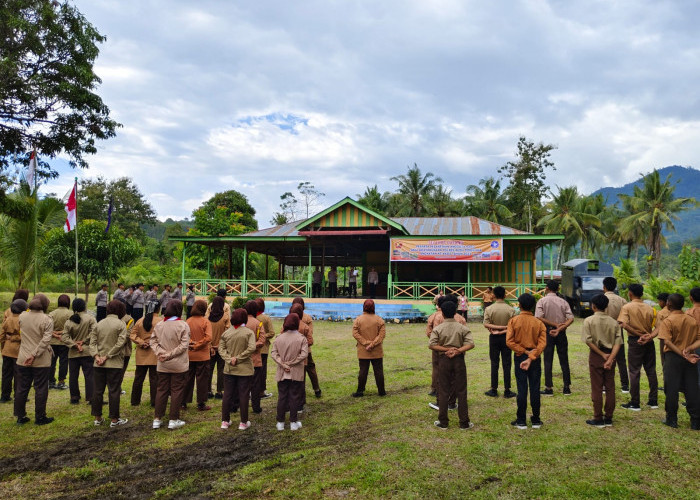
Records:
x=20, y=293
x=76, y=336
x=695, y=313
x=257, y=327
x=129, y=322
x=220, y=322
x=146, y=361
x=236, y=347
x=496, y=318
x=615, y=303
x=34, y=360
x=107, y=348
x=661, y=315
x=451, y=340
x=310, y=366
x=60, y=351
x=269, y=333
x=602, y=335
x=369, y=331
x=289, y=351
x=681, y=334
x=11, y=339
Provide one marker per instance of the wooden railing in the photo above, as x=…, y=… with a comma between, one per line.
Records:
x=473, y=291
x=243, y=288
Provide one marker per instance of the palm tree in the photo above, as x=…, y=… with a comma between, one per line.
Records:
x=654, y=206
x=373, y=199
x=440, y=203
x=596, y=212
x=632, y=234
x=415, y=187
x=487, y=202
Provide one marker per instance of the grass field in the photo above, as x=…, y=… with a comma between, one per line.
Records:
x=360, y=448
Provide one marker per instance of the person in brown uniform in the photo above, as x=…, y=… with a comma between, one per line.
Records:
x=269, y=332
x=107, y=348
x=369, y=331
x=289, y=351
x=489, y=298
x=695, y=313
x=170, y=341
x=434, y=320
x=236, y=347
x=661, y=315
x=129, y=322
x=527, y=337
x=602, y=335
x=638, y=318
x=76, y=336
x=60, y=351
x=615, y=303
x=146, y=360
x=255, y=325
x=307, y=332
x=11, y=339
x=34, y=360
x=496, y=319
x=20, y=293
x=451, y=340
x=310, y=365
x=681, y=335
x=199, y=354
x=220, y=322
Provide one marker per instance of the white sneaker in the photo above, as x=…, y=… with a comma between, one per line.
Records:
x=266, y=395
x=156, y=423
x=99, y=422
x=120, y=421
x=175, y=424
x=434, y=406
x=280, y=426
x=295, y=426
x=225, y=424
x=243, y=426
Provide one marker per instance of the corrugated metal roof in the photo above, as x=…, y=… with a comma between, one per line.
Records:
x=288, y=229
x=453, y=226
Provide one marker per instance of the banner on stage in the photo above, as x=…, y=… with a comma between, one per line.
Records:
x=446, y=250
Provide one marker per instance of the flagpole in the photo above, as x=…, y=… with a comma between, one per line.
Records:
x=36, y=228
x=76, y=237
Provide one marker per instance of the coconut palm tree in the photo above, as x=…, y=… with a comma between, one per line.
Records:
x=632, y=234
x=593, y=238
x=373, y=199
x=487, y=202
x=654, y=206
x=414, y=187
x=440, y=203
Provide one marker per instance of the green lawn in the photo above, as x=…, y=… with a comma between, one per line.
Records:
x=360, y=448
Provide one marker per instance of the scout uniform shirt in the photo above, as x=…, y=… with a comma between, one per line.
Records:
x=129, y=322
x=602, y=331
x=680, y=329
x=553, y=308
x=498, y=313
x=238, y=343
x=171, y=337
x=74, y=333
x=36, y=328
x=436, y=318
x=59, y=317
x=290, y=348
x=526, y=333
x=615, y=303
x=139, y=336
x=10, y=336
x=107, y=339
x=369, y=330
x=661, y=316
x=638, y=315
x=450, y=333
x=269, y=331
x=101, y=298
x=200, y=338
x=258, y=329
x=694, y=312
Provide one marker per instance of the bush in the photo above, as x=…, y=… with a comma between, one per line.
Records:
x=654, y=286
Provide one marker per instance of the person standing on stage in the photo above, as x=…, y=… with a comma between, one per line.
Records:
x=333, y=282
x=372, y=281
x=615, y=303
x=146, y=360
x=556, y=314
x=11, y=339
x=369, y=331
x=289, y=351
x=101, y=300
x=189, y=299
x=352, y=283
x=60, y=351
x=34, y=360
x=496, y=319
x=138, y=302
x=269, y=333
x=76, y=336
x=316, y=279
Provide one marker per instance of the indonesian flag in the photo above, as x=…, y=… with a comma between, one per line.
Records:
x=32, y=169
x=71, y=205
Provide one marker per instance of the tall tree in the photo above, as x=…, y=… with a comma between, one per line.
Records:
x=440, y=203
x=414, y=187
x=486, y=201
x=47, y=85
x=655, y=206
x=526, y=180
x=631, y=234
x=309, y=196
x=373, y=199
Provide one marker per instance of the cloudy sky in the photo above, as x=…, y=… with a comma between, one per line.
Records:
x=260, y=95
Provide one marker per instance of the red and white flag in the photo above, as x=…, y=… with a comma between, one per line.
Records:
x=32, y=169
x=71, y=208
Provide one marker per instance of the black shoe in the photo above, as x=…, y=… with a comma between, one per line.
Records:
x=492, y=393
x=318, y=393
x=695, y=425
x=509, y=394
x=433, y=394
x=75, y=401
x=439, y=425
x=258, y=411
x=61, y=386
x=218, y=395
x=23, y=420
x=547, y=392
x=567, y=391
x=608, y=422
x=654, y=405
x=596, y=423
x=625, y=389
x=519, y=424
x=5, y=400
x=136, y=404
x=210, y=395
x=670, y=423
x=631, y=406
x=452, y=407
x=358, y=394
x=382, y=394
x=43, y=420
x=52, y=385
x=536, y=422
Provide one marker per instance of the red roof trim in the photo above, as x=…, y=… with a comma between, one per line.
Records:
x=343, y=233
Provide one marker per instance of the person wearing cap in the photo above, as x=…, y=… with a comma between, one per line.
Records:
x=120, y=293
x=60, y=351
x=189, y=299
x=137, y=300
x=289, y=351
x=101, y=303
x=177, y=293
x=76, y=336
x=11, y=339
x=146, y=361
x=34, y=360
x=165, y=296
x=369, y=331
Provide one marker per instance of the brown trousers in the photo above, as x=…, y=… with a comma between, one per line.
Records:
x=601, y=379
x=216, y=364
x=638, y=356
x=435, y=385
x=26, y=375
x=289, y=397
x=199, y=372
x=452, y=376
x=170, y=385
x=311, y=372
x=112, y=379
x=236, y=388
x=139, y=378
